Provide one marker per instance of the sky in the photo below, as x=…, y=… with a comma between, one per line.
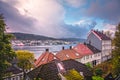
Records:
x=60, y=18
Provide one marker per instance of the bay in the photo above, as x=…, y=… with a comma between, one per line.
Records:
x=39, y=49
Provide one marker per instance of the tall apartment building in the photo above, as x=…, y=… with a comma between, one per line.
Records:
x=102, y=42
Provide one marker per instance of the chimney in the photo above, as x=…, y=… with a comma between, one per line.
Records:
x=47, y=50
x=63, y=48
x=102, y=32
x=70, y=47
x=84, y=43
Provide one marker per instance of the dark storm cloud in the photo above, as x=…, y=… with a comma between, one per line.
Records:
x=22, y=23
x=81, y=30
x=105, y=9
x=14, y=19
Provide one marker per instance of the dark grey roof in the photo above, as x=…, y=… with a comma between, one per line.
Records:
x=118, y=77
x=109, y=77
x=49, y=71
x=72, y=64
x=101, y=35
x=93, y=49
x=13, y=69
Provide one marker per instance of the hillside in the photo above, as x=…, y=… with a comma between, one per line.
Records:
x=25, y=36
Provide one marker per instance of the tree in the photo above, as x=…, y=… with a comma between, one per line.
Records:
x=89, y=66
x=106, y=67
x=25, y=60
x=116, y=51
x=97, y=78
x=73, y=75
x=6, y=52
x=98, y=72
x=109, y=34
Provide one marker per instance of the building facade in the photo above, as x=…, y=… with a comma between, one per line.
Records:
x=102, y=42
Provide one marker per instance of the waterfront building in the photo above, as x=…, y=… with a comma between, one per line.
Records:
x=90, y=54
x=95, y=50
x=102, y=42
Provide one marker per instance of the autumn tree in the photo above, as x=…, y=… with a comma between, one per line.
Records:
x=6, y=52
x=97, y=78
x=25, y=60
x=89, y=66
x=98, y=74
x=73, y=75
x=106, y=67
x=109, y=34
x=116, y=51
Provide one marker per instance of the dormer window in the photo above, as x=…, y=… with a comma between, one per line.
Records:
x=43, y=59
x=76, y=54
x=67, y=55
x=55, y=58
x=60, y=66
x=76, y=48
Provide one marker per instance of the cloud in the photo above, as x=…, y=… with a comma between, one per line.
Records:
x=47, y=17
x=39, y=17
x=75, y=3
x=44, y=17
x=109, y=27
x=81, y=28
x=14, y=19
x=108, y=10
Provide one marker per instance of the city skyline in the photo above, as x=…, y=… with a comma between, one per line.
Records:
x=60, y=18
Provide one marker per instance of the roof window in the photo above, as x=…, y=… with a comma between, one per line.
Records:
x=67, y=55
x=76, y=54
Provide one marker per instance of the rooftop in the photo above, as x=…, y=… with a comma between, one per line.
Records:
x=68, y=54
x=45, y=58
x=92, y=48
x=100, y=35
x=82, y=49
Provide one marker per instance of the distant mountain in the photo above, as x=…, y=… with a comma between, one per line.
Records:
x=26, y=36
x=72, y=39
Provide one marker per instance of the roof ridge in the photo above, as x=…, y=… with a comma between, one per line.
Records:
x=41, y=58
x=94, y=32
x=48, y=57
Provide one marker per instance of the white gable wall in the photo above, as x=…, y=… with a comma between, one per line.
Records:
x=94, y=41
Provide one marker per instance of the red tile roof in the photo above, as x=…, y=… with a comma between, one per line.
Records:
x=83, y=50
x=100, y=35
x=68, y=54
x=45, y=58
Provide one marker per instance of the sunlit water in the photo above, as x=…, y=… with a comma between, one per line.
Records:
x=38, y=50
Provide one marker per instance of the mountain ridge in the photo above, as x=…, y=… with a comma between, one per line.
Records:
x=27, y=36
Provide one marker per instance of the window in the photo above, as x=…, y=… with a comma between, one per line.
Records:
x=43, y=59
x=60, y=66
x=76, y=54
x=84, y=58
x=98, y=54
x=67, y=55
x=94, y=62
x=87, y=57
x=91, y=56
x=76, y=48
x=55, y=58
x=13, y=78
